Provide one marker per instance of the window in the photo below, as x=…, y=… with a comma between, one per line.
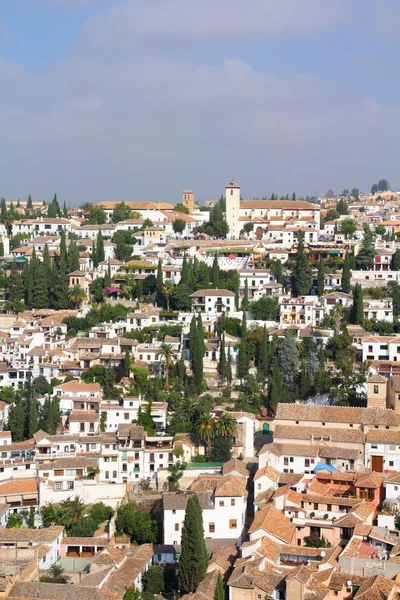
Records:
x=232, y=524
x=173, y=511
x=221, y=503
x=376, y=389
x=107, y=474
x=70, y=472
x=70, y=485
x=176, y=526
x=59, y=485
x=59, y=473
x=126, y=416
x=233, y=502
x=211, y=528
x=114, y=474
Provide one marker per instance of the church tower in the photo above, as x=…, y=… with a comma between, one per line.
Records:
x=188, y=200
x=232, y=197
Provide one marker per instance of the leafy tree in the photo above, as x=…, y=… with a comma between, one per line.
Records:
x=153, y=580
x=138, y=524
x=96, y=215
x=132, y=593
x=33, y=417
x=193, y=558
x=56, y=574
x=61, y=292
x=288, y=360
x=166, y=353
x=15, y=285
x=180, y=297
x=321, y=278
x=221, y=449
x=226, y=425
x=16, y=420
x=265, y=309
x=166, y=291
x=83, y=527
x=205, y=428
x=121, y=212
x=357, y=309
x=222, y=363
x=179, y=225
x=248, y=227
x=73, y=257
x=346, y=275
x=175, y=474
x=100, y=513
x=366, y=256
x=301, y=275
x=355, y=192
x=381, y=186
x=341, y=206
x=15, y=521
x=182, y=209
x=348, y=227
x=147, y=223
x=275, y=386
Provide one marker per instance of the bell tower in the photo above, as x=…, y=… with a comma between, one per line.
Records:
x=232, y=197
x=188, y=200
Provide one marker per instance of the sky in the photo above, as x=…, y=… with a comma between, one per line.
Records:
x=141, y=99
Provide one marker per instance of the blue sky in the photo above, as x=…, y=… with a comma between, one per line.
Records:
x=139, y=99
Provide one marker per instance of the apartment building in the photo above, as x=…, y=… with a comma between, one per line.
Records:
x=213, y=301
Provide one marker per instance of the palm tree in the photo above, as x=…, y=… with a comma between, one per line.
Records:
x=51, y=515
x=76, y=294
x=187, y=409
x=72, y=510
x=226, y=425
x=166, y=353
x=166, y=291
x=205, y=428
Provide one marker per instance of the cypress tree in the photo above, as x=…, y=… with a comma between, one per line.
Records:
x=222, y=363
x=159, y=278
x=33, y=417
x=288, y=360
x=200, y=333
x=396, y=261
x=278, y=272
x=237, y=300
x=100, y=248
x=301, y=276
x=60, y=291
x=194, y=558
x=185, y=274
x=127, y=363
x=3, y=211
x=1, y=248
x=229, y=366
x=193, y=343
x=245, y=301
x=40, y=288
x=219, y=593
x=16, y=420
x=262, y=367
x=27, y=278
x=65, y=211
x=357, y=309
x=63, y=253
x=346, y=275
x=321, y=278
x=215, y=272
x=243, y=354
x=204, y=276
x=29, y=204
x=73, y=257
x=47, y=268
x=15, y=284
x=107, y=277
x=275, y=386
x=95, y=259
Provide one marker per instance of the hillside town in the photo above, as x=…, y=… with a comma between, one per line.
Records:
x=201, y=401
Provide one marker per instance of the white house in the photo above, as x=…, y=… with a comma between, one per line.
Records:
x=214, y=301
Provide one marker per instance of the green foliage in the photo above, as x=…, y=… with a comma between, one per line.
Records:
x=84, y=527
x=321, y=278
x=179, y=225
x=105, y=376
x=100, y=247
x=138, y=524
x=175, y=474
x=100, y=512
x=348, y=227
x=221, y=449
x=153, y=580
x=381, y=186
x=288, y=360
x=301, y=274
x=278, y=272
x=265, y=309
x=366, y=256
x=121, y=212
x=55, y=574
x=219, y=593
x=357, y=309
x=193, y=559
x=346, y=275
x=396, y=260
x=182, y=209
x=15, y=521
x=96, y=215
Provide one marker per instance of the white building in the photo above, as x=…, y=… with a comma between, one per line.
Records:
x=213, y=301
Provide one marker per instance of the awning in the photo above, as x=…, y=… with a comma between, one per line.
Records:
x=324, y=467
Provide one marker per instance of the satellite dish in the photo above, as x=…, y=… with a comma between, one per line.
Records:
x=323, y=553
x=349, y=583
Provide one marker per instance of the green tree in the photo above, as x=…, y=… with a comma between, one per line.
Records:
x=275, y=386
x=29, y=204
x=357, y=309
x=245, y=301
x=321, y=278
x=219, y=593
x=100, y=248
x=193, y=558
x=301, y=275
x=278, y=272
x=264, y=357
x=159, y=277
x=186, y=276
x=222, y=362
x=175, y=474
x=226, y=425
x=346, y=275
x=348, y=227
x=396, y=260
x=33, y=417
x=96, y=215
x=15, y=285
x=215, y=272
x=248, y=227
x=61, y=292
x=95, y=259
x=265, y=309
x=76, y=295
x=394, y=291
x=16, y=420
x=138, y=524
x=179, y=225
x=366, y=256
x=166, y=353
x=55, y=574
x=63, y=265
x=100, y=513
x=121, y=212
x=73, y=257
x=288, y=360
x=221, y=449
x=153, y=580
x=205, y=427
x=355, y=192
